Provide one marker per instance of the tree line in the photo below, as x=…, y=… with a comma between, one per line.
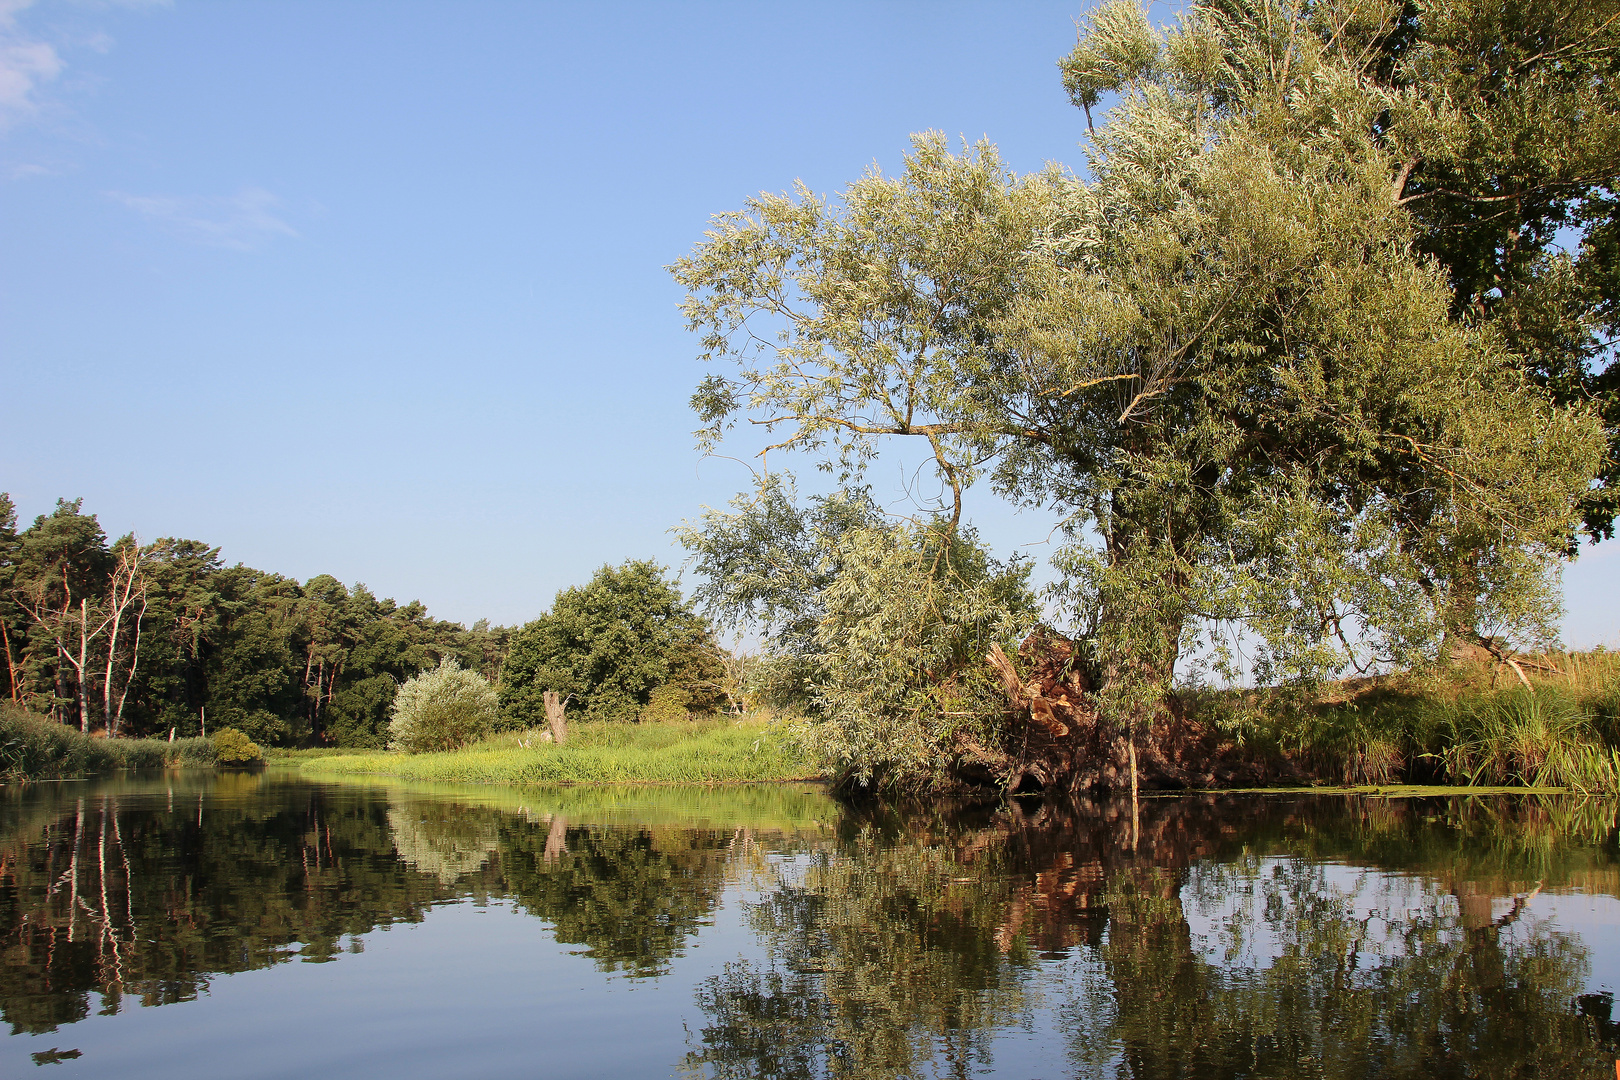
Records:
x=138, y=639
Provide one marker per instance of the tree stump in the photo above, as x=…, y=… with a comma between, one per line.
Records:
x=555, y=704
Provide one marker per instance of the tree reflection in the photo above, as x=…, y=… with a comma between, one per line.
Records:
x=151, y=901
x=878, y=966
x=902, y=955
x=1199, y=937
x=631, y=896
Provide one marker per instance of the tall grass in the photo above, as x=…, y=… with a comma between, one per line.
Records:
x=34, y=748
x=1470, y=727
x=694, y=752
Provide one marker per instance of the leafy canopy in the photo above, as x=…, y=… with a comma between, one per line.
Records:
x=1221, y=357
x=608, y=644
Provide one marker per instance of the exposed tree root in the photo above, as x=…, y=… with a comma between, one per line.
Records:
x=1058, y=742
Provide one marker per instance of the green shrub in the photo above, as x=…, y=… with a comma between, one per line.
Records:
x=231, y=747
x=443, y=709
x=668, y=703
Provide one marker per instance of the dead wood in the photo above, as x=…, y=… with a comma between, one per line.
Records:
x=1057, y=741
x=556, y=706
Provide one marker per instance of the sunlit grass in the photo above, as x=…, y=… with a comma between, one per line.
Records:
x=695, y=752
x=1472, y=727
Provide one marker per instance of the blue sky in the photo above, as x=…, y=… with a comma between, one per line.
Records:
x=378, y=289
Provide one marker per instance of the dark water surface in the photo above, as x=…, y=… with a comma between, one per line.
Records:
x=261, y=925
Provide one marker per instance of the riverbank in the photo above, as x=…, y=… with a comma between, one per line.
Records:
x=694, y=752
x=1557, y=727
x=1467, y=728
x=35, y=748
x=1548, y=721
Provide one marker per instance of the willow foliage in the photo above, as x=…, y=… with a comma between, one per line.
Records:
x=443, y=709
x=1220, y=356
x=877, y=629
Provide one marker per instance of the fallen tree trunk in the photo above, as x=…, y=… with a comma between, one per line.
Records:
x=1056, y=740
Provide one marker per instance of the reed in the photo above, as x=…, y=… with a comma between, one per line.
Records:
x=34, y=748
x=1469, y=727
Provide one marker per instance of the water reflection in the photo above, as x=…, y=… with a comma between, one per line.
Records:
x=1201, y=937
x=898, y=952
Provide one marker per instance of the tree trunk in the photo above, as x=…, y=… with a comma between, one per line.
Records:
x=117, y=721
x=11, y=665
x=59, y=700
x=555, y=706
x=128, y=586
x=84, y=659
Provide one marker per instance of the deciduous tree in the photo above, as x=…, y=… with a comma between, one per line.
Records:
x=607, y=644
x=1221, y=357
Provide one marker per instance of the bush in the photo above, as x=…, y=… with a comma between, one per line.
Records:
x=667, y=703
x=442, y=709
x=231, y=747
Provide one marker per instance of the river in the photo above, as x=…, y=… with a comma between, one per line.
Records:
x=267, y=925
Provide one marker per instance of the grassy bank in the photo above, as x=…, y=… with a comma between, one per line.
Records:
x=1462, y=727
x=1468, y=727
x=34, y=748
x=694, y=752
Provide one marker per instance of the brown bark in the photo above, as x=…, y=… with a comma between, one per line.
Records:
x=11, y=664
x=1057, y=740
x=556, y=704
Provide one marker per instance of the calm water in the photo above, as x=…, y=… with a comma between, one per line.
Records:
x=264, y=926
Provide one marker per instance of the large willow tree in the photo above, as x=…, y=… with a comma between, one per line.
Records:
x=1219, y=355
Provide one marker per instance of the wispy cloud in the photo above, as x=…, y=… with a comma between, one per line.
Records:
x=25, y=63
x=30, y=60
x=243, y=221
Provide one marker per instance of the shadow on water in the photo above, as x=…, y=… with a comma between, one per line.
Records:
x=1202, y=936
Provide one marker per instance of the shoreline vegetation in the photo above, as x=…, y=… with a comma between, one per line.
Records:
x=723, y=751
x=1466, y=728
x=36, y=748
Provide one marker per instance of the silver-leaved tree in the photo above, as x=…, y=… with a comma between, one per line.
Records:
x=1218, y=354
